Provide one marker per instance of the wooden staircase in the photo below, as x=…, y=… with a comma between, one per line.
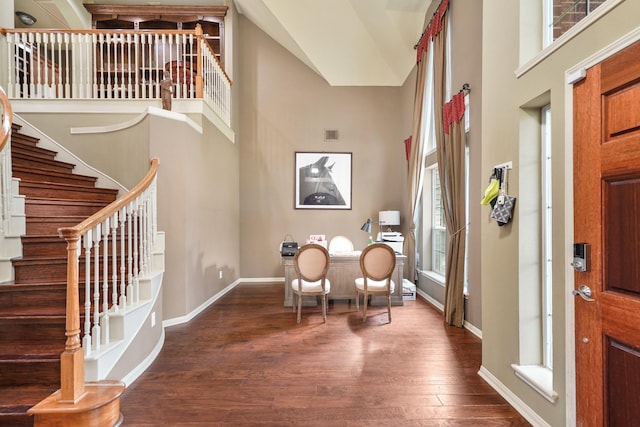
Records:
x=32, y=307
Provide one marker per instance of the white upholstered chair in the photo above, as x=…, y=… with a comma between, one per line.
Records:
x=311, y=264
x=340, y=244
x=377, y=263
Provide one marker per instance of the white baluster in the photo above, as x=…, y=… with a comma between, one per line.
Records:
x=143, y=237
x=32, y=69
x=130, y=254
x=136, y=56
x=136, y=253
x=132, y=75
x=104, y=320
x=114, y=262
x=123, y=295
x=86, y=340
x=109, y=41
x=101, y=65
x=95, y=332
x=67, y=80
x=94, y=83
x=58, y=48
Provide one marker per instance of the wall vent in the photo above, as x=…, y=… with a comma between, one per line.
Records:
x=331, y=135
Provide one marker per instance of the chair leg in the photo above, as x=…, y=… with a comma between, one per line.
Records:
x=293, y=301
x=389, y=306
x=364, y=311
x=357, y=302
x=324, y=307
x=299, y=306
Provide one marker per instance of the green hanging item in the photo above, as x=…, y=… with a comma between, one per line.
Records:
x=491, y=192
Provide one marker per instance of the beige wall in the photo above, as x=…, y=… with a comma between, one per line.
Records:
x=198, y=210
x=508, y=108
x=285, y=108
x=129, y=146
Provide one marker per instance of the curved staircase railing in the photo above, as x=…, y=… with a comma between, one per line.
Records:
x=115, y=247
x=7, y=117
x=5, y=160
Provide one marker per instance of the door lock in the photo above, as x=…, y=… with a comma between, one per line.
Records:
x=581, y=256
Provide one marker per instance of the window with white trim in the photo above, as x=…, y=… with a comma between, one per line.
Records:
x=547, y=237
x=559, y=16
x=535, y=360
x=438, y=226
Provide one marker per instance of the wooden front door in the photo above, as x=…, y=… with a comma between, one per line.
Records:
x=607, y=216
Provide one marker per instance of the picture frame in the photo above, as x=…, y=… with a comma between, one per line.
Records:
x=322, y=180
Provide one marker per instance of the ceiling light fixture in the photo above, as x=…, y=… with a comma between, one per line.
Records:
x=25, y=18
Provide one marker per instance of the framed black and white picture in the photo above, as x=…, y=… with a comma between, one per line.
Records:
x=323, y=180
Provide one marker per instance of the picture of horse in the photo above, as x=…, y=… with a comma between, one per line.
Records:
x=323, y=180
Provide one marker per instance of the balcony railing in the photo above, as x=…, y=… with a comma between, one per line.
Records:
x=115, y=64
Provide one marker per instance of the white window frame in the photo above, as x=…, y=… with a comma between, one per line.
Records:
x=548, y=20
x=536, y=340
x=547, y=238
x=438, y=231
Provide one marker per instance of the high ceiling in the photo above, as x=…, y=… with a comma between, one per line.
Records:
x=347, y=42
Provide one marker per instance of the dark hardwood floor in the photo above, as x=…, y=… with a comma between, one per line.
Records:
x=245, y=362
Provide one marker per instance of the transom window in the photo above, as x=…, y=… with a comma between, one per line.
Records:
x=561, y=15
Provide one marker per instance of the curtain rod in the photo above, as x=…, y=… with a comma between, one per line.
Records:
x=415, y=46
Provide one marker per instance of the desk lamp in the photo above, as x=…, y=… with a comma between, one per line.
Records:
x=367, y=227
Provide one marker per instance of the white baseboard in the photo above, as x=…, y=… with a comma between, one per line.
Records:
x=142, y=367
x=513, y=400
x=434, y=302
x=188, y=317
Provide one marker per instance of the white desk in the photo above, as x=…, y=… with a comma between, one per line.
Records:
x=343, y=271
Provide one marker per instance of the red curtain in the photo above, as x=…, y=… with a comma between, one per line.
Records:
x=432, y=30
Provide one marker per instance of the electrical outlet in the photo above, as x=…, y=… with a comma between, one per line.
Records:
x=220, y=274
x=153, y=319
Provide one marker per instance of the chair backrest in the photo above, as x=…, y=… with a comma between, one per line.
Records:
x=378, y=261
x=340, y=244
x=311, y=262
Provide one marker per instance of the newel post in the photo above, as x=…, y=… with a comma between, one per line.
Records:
x=200, y=70
x=72, y=385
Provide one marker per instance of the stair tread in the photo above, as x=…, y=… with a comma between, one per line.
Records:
x=43, y=237
x=29, y=352
x=13, y=286
x=26, y=143
x=17, y=169
x=40, y=313
x=21, y=155
x=38, y=259
x=23, y=397
x=45, y=200
x=62, y=185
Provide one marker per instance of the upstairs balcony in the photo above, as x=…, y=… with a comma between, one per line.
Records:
x=116, y=64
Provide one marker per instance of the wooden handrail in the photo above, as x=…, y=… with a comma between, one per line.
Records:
x=7, y=118
x=72, y=381
x=224, y=72
x=108, y=211
x=5, y=31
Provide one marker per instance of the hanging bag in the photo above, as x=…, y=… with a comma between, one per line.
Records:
x=503, y=209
